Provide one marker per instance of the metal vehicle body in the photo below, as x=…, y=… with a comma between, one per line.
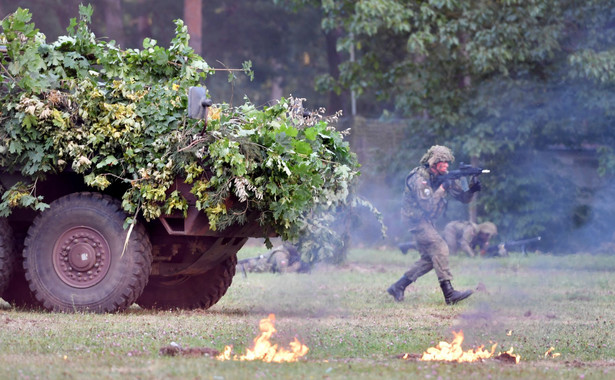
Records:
x=77, y=256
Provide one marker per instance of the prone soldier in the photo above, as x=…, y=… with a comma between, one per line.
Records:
x=469, y=237
x=283, y=259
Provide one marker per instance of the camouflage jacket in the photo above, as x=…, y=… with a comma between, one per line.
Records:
x=284, y=258
x=465, y=233
x=422, y=202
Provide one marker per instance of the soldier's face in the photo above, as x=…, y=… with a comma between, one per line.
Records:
x=441, y=167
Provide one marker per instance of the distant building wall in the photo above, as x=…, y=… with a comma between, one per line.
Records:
x=368, y=137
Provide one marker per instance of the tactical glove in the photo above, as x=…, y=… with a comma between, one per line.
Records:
x=446, y=184
x=475, y=187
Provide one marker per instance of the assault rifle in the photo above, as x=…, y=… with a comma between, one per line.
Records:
x=494, y=250
x=241, y=263
x=464, y=170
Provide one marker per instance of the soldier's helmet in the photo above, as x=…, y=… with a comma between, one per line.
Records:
x=437, y=153
x=488, y=228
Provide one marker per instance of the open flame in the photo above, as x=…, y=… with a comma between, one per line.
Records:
x=551, y=354
x=264, y=350
x=509, y=356
x=453, y=352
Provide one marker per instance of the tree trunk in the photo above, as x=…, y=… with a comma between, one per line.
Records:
x=472, y=206
x=336, y=101
x=276, y=82
x=113, y=21
x=193, y=17
x=144, y=21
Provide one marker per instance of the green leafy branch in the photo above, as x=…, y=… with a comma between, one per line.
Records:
x=119, y=117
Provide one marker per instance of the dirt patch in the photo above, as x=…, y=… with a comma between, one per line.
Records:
x=597, y=363
x=441, y=316
x=407, y=356
x=176, y=350
x=352, y=267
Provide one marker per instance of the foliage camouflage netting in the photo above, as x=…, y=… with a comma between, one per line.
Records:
x=113, y=115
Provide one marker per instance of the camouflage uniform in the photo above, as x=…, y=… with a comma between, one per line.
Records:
x=422, y=205
x=286, y=259
x=486, y=231
x=458, y=235
x=468, y=236
x=282, y=259
x=258, y=264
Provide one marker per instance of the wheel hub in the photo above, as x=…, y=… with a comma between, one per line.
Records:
x=81, y=257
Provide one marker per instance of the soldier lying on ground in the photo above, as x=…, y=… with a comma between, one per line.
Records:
x=468, y=237
x=282, y=259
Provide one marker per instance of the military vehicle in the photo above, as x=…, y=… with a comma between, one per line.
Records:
x=77, y=256
x=118, y=188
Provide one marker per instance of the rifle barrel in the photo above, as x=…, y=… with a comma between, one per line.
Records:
x=523, y=241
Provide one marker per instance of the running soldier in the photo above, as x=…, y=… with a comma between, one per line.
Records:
x=423, y=203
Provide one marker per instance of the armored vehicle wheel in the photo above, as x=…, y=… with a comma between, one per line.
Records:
x=189, y=292
x=7, y=253
x=76, y=259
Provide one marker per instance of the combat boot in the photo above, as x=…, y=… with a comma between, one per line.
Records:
x=397, y=289
x=452, y=296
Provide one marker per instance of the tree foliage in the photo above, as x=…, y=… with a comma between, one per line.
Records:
x=286, y=50
x=119, y=116
x=500, y=81
x=460, y=63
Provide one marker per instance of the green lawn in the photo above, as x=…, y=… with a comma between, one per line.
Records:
x=350, y=324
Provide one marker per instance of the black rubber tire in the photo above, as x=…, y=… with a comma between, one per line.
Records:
x=189, y=292
x=7, y=254
x=74, y=257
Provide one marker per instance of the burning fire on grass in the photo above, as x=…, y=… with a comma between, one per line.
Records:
x=264, y=350
x=551, y=354
x=452, y=352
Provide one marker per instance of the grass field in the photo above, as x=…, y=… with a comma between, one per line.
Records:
x=351, y=325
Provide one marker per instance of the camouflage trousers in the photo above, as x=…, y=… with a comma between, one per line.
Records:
x=434, y=253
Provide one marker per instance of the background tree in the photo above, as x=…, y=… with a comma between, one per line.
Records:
x=286, y=50
x=114, y=24
x=514, y=85
x=193, y=16
x=508, y=82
